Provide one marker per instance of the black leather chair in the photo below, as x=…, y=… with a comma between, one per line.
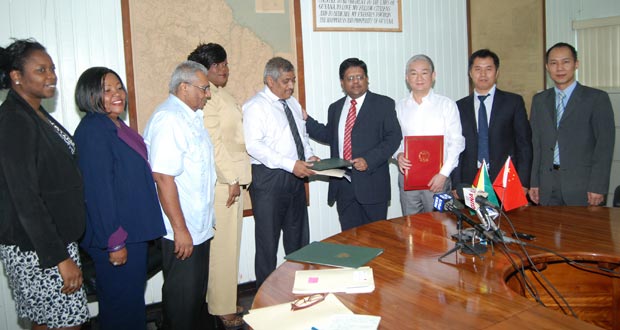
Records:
x=616, y=201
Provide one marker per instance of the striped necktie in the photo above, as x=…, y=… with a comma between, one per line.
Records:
x=559, y=111
x=347, y=151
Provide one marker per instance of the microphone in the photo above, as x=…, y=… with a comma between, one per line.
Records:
x=476, y=200
x=445, y=202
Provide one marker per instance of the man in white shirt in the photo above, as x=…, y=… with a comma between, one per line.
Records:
x=181, y=156
x=422, y=113
x=276, y=140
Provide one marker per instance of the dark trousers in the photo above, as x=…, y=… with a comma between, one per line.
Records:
x=185, y=286
x=352, y=213
x=279, y=204
x=120, y=289
x=557, y=198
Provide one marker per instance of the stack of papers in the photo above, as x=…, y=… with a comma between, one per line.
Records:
x=330, y=314
x=360, y=280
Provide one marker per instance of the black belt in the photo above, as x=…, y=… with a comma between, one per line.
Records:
x=556, y=166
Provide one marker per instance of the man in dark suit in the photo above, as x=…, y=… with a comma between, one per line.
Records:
x=573, y=134
x=371, y=136
x=507, y=127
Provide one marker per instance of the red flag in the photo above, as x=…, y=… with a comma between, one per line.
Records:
x=508, y=187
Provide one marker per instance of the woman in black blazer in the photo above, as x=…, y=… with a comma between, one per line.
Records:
x=41, y=200
x=123, y=211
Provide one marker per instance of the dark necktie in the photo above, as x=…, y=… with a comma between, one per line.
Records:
x=291, y=122
x=483, y=131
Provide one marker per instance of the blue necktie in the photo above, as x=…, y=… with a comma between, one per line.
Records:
x=559, y=111
x=483, y=131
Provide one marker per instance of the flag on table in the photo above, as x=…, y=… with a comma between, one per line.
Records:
x=482, y=182
x=508, y=187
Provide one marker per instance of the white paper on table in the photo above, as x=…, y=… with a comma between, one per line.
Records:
x=353, y=321
x=281, y=316
x=348, y=280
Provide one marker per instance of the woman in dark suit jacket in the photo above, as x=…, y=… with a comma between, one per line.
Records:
x=41, y=199
x=123, y=211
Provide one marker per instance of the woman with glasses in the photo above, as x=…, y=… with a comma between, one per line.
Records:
x=223, y=121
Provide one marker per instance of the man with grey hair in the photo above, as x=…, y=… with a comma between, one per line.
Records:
x=181, y=157
x=422, y=113
x=276, y=140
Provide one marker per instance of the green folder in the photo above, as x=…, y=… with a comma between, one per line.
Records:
x=329, y=163
x=330, y=254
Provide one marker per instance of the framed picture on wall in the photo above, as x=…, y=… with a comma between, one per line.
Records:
x=357, y=15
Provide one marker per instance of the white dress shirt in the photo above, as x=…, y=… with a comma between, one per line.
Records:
x=436, y=115
x=343, y=119
x=268, y=136
x=178, y=145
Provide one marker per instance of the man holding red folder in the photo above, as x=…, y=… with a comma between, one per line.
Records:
x=425, y=113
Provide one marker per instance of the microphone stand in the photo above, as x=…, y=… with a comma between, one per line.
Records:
x=461, y=244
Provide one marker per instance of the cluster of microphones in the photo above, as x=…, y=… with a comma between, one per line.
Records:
x=477, y=201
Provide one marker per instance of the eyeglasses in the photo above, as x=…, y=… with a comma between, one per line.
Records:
x=358, y=78
x=308, y=301
x=204, y=89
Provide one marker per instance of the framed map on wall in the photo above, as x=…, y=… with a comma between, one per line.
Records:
x=159, y=34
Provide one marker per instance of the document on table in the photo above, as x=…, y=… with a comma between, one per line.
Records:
x=335, y=172
x=330, y=314
x=348, y=280
x=332, y=254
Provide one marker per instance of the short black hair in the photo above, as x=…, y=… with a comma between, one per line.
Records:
x=14, y=57
x=90, y=88
x=559, y=45
x=208, y=54
x=483, y=53
x=352, y=62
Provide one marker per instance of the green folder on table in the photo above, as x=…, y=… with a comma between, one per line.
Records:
x=331, y=254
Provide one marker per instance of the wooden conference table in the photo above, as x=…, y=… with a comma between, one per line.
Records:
x=416, y=291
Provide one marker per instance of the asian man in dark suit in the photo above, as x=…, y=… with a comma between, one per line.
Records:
x=361, y=127
x=507, y=127
x=573, y=135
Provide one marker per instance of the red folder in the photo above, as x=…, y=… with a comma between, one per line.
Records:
x=426, y=156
